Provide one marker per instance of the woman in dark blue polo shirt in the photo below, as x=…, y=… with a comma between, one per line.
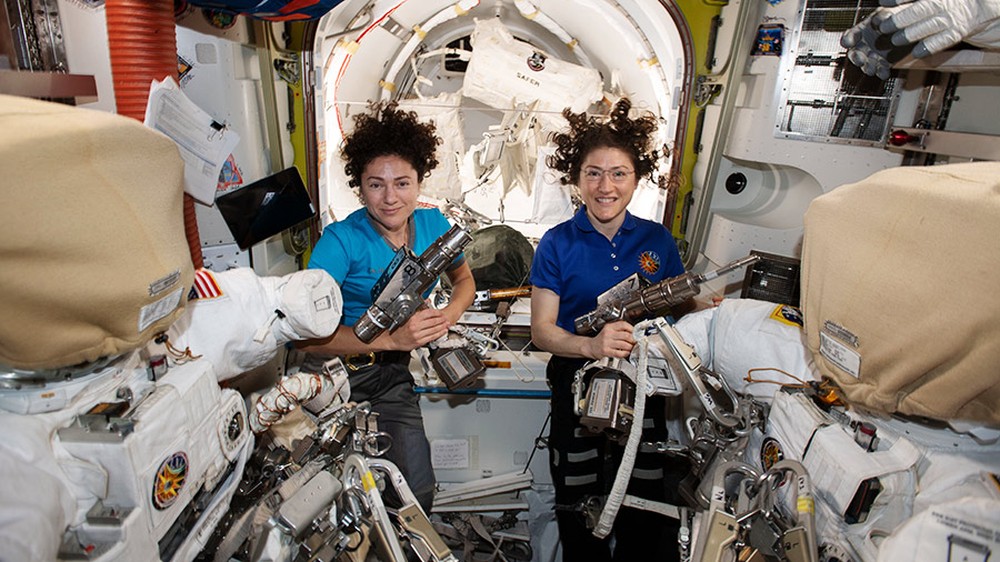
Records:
x=575, y=262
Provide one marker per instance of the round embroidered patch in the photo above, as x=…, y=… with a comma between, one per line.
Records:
x=649, y=261
x=170, y=478
x=770, y=453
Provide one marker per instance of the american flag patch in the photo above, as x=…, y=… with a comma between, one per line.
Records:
x=205, y=286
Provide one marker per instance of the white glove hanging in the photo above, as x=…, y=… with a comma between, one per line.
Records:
x=870, y=49
x=939, y=24
x=887, y=34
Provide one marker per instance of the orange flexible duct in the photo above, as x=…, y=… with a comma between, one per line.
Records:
x=143, y=42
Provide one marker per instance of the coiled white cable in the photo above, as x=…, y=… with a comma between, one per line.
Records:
x=617, y=494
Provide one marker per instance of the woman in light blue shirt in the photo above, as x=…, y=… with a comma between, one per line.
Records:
x=386, y=157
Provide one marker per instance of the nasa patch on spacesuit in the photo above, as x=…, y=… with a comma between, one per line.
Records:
x=899, y=290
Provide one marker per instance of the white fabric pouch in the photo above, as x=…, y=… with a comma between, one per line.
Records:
x=504, y=71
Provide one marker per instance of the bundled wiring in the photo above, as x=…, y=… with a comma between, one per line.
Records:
x=286, y=395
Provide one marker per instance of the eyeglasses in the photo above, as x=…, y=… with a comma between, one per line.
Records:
x=616, y=175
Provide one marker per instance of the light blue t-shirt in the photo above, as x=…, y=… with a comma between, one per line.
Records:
x=578, y=263
x=355, y=254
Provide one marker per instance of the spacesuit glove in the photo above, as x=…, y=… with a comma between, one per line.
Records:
x=939, y=24
x=870, y=49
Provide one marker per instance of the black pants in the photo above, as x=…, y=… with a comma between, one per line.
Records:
x=584, y=464
x=389, y=389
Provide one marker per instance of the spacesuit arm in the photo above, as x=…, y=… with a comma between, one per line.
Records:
x=240, y=320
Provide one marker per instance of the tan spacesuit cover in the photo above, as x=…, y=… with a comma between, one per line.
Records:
x=901, y=290
x=93, y=256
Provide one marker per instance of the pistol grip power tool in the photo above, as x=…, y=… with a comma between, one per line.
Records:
x=629, y=301
x=398, y=293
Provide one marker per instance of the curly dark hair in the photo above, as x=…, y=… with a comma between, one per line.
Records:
x=633, y=136
x=387, y=130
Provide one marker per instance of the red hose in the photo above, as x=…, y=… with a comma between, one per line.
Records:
x=143, y=42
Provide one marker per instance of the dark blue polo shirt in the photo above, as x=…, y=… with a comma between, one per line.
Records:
x=577, y=262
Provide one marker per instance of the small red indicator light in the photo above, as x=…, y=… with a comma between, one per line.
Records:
x=899, y=138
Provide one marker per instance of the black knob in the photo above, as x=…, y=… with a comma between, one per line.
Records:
x=736, y=183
